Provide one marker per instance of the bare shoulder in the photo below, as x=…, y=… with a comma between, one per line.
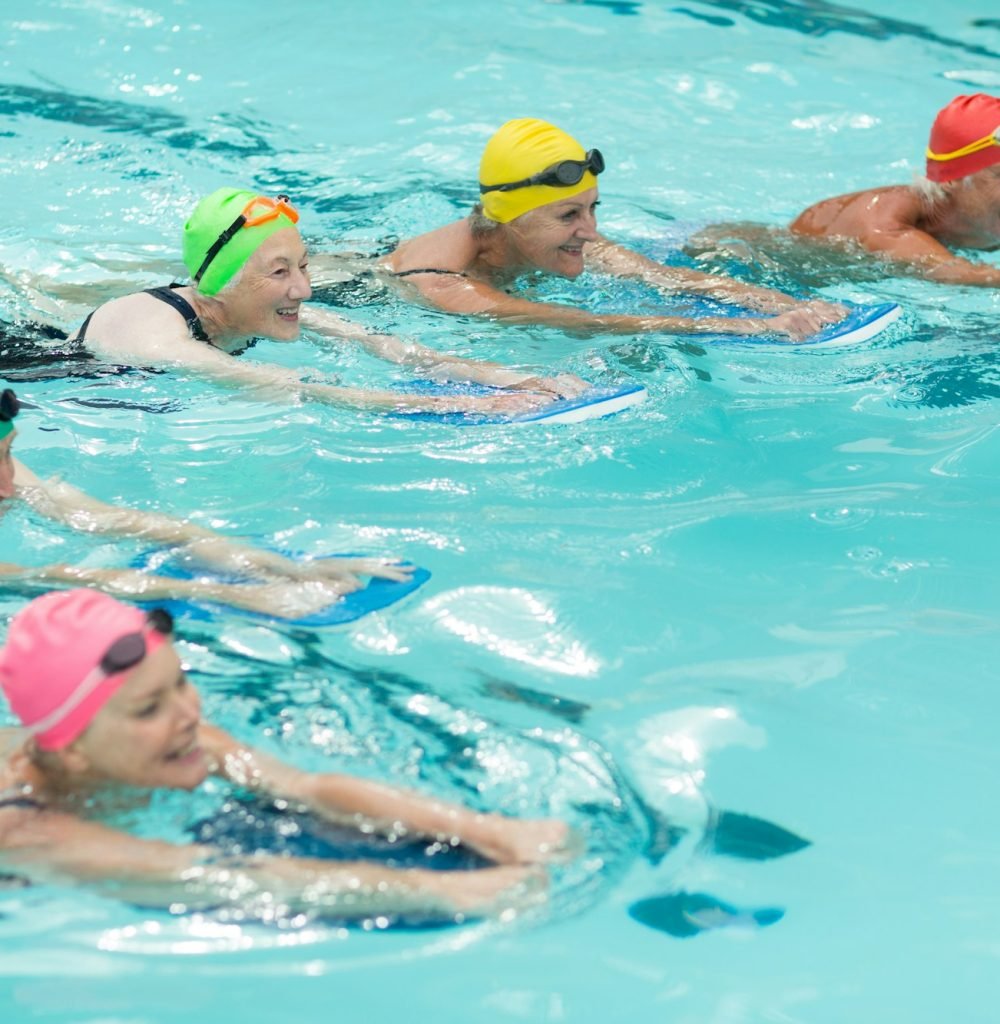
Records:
x=23, y=476
x=451, y=247
x=136, y=324
x=856, y=214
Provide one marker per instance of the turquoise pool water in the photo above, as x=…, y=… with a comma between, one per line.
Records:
x=769, y=591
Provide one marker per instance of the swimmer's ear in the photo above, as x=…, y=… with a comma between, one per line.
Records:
x=74, y=760
x=68, y=761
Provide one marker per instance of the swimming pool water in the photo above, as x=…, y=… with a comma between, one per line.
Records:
x=769, y=591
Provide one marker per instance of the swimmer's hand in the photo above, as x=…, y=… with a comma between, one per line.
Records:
x=829, y=312
x=795, y=325
x=487, y=892
x=508, y=404
x=563, y=385
x=522, y=840
x=350, y=568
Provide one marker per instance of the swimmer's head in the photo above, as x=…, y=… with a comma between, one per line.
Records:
x=529, y=163
x=67, y=653
x=226, y=229
x=9, y=408
x=965, y=138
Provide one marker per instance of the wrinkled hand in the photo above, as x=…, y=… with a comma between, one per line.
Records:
x=562, y=385
x=831, y=312
x=799, y=323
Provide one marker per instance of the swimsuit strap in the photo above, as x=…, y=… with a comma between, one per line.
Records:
x=429, y=270
x=20, y=800
x=186, y=310
x=82, y=333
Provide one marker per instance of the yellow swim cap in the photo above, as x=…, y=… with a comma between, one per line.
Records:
x=520, y=149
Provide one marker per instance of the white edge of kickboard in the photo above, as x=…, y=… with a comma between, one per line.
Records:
x=852, y=337
x=589, y=410
x=862, y=333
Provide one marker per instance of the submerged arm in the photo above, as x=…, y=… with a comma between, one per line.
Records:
x=469, y=296
x=270, y=382
x=277, y=598
x=389, y=808
x=50, y=846
x=66, y=504
x=440, y=365
x=929, y=258
x=611, y=258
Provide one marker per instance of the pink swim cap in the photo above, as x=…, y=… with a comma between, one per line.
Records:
x=965, y=138
x=50, y=667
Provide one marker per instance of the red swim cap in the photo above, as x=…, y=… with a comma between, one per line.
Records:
x=965, y=138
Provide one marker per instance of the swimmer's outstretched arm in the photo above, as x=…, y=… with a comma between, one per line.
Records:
x=440, y=365
x=206, y=548
x=50, y=846
x=276, y=383
x=477, y=298
x=610, y=258
x=928, y=258
x=389, y=809
x=279, y=599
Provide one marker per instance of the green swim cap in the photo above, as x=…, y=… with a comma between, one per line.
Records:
x=226, y=229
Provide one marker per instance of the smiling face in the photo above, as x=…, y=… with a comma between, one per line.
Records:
x=552, y=237
x=146, y=735
x=264, y=300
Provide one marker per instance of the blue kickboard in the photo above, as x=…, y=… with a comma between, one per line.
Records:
x=860, y=324
x=376, y=595
x=595, y=403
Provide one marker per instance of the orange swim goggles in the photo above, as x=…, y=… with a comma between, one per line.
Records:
x=259, y=210
x=993, y=139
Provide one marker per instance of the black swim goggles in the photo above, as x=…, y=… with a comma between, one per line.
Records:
x=128, y=650
x=560, y=175
x=9, y=405
x=259, y=210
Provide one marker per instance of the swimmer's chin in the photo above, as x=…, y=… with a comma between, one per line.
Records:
x=575, y=257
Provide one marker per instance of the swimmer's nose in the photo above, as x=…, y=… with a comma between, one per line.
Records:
x=301, y=287
x=188, y=705
x=588, y=227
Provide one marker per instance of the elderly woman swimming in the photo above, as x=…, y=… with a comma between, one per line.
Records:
x=249, y=280
x=537, y=212
x=109, y=714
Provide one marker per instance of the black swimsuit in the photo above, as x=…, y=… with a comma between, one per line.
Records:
x=171, y=298
x=186, y=310
x=429, y=270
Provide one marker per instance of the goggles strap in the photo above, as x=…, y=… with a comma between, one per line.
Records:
x=993, y=139
x=217, y=246
x=275, y=207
